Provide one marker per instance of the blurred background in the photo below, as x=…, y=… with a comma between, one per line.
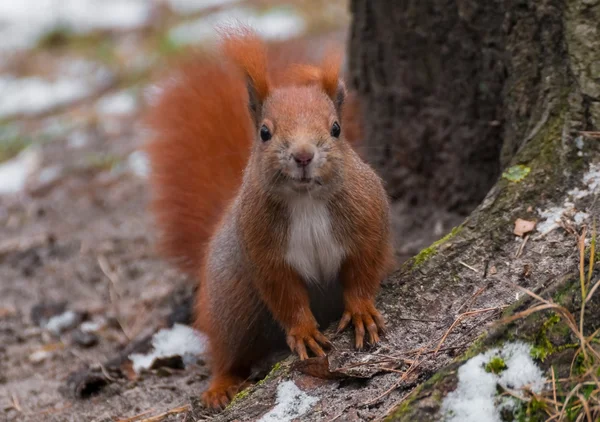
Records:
x=78, y=70
x=75, y=240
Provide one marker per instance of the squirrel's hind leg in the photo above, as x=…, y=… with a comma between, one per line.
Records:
x=223, y=387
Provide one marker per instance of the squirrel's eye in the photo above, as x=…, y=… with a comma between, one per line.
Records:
x=335, y=130
x=265, y=133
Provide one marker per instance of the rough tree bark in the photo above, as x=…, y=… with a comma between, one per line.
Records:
x=456, y=91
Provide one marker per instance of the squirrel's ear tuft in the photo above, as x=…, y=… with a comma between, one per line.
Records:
x=340, y=96
x=332, y=84
x=248, y=52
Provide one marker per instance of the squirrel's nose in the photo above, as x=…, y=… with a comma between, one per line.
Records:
x=303, y=158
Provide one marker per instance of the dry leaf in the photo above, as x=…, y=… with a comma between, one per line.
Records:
x=522, y=227
x=7, y=312
x=317, y=367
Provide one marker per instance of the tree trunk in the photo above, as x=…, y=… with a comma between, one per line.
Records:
x=431, y=76
x=454, y=92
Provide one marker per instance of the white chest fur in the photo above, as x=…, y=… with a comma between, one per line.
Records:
x=312, y=250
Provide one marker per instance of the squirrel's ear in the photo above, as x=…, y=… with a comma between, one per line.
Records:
x=340, y=96
x=255, y=101
x=249, y=53
x=332, y=84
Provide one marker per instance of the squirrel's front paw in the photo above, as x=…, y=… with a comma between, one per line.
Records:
x=363, y=314
x=302, y=335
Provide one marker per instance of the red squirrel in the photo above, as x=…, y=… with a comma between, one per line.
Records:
x=258, y=193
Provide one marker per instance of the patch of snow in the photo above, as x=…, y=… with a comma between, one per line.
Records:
x=190, y=6
x=59, y=323
x=551, y=220
x=139, y=164
x=34, y=95
x=78, y=139
x=54, y=127
x=92, y=326
x=49, y=174
x=291, y=403
x=276, y=24
x=438, y=229
x=89, y=70
x=23, y=22
x=579, y=142
x=591, y=179
x=14, y=172
x=39, y=356
x=474, y=399
x=580, y=217
x=120, y=103
x=521, y=371
x=180, y=340
x=577, y=193
x=552, y=216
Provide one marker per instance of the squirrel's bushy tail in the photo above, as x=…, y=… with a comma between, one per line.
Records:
x=201, y=140
x=202, y=133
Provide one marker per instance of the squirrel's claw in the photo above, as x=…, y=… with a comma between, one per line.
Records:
x=222, y=391
x=297, y=341
x=346, y=318
x=365, y=318
x=216, y=400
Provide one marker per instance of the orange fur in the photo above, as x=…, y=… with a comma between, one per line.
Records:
x=197, y=154
x=306, y=74
x=330, y=68
x=248, y=52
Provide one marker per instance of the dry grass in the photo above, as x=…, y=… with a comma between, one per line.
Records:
x=576, y=397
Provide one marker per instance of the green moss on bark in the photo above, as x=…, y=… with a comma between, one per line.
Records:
x=430, y=251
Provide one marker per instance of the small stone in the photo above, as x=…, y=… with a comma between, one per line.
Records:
x=84, y=339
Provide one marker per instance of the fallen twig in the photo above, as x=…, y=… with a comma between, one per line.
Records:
x=404, y=376
x=163, y=415
x=24, y=243
x=469, y=301
x=468, y=266
x=591, y=134
x=460, y=318
x=522, y=246
x=417, y=319
x=54, y=409
x=136, y=417
x=15, y=403
x=113, y=293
